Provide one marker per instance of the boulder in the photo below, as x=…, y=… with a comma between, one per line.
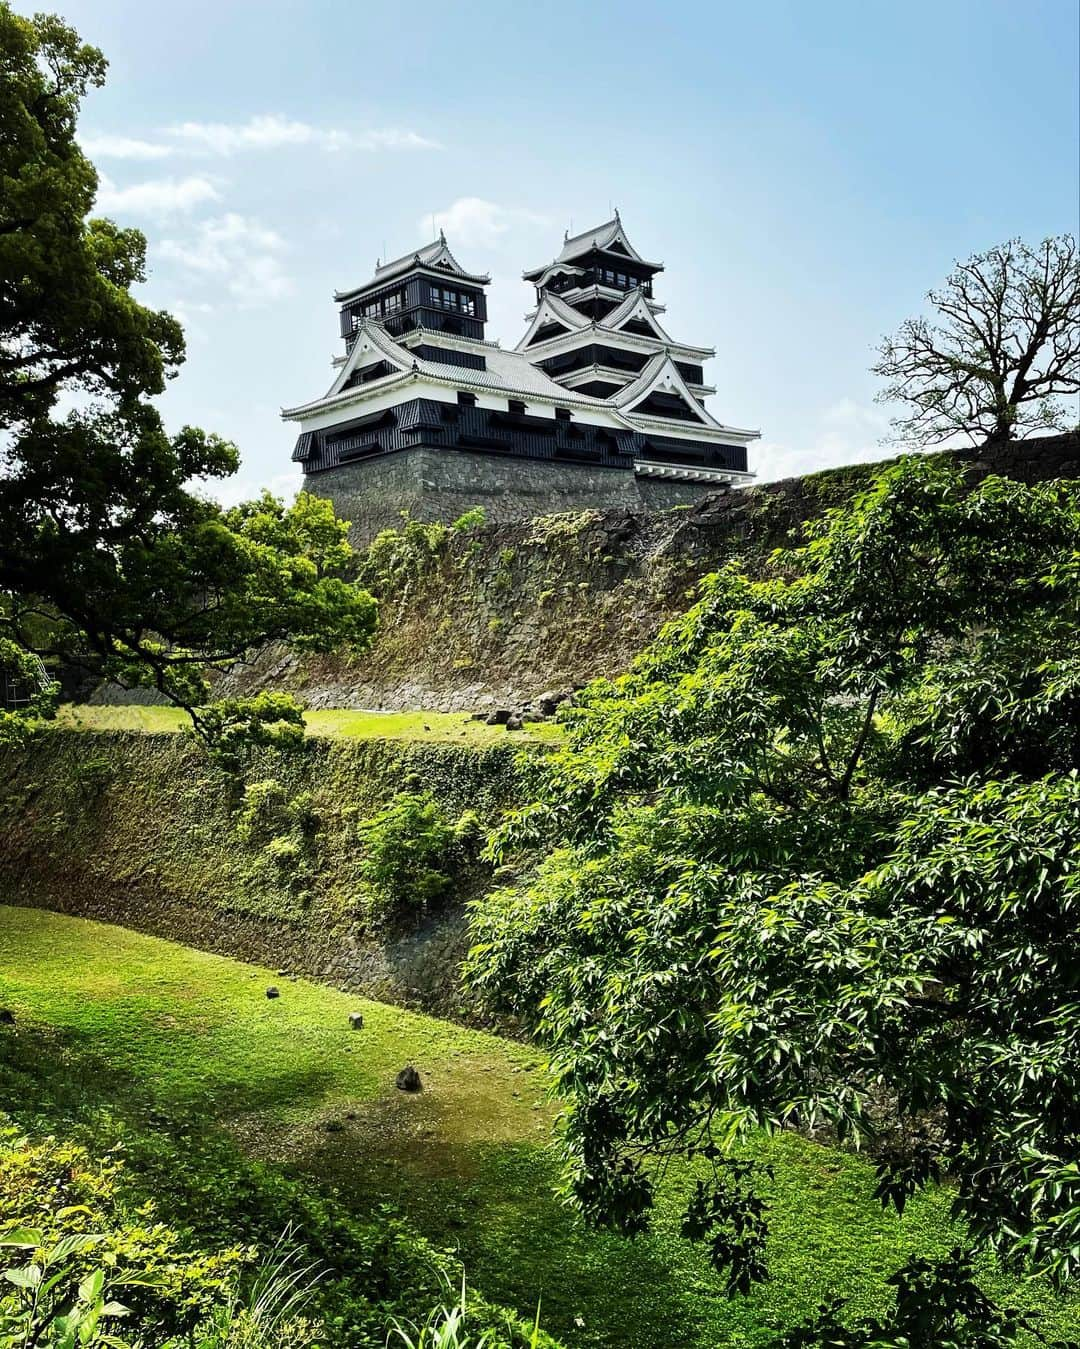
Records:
x=549, y=702
x=7, y=1016
x=356, y=1020
x=513, y=723
x=408, y=1080
x=272, y=992
x=499, y=717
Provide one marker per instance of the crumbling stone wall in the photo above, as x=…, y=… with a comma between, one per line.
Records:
x=512, y=609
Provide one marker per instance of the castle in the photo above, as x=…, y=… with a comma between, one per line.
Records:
x=596, y=406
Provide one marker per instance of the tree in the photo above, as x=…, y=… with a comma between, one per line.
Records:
x=1003, y=353
x=814, y=864
x=106, y=554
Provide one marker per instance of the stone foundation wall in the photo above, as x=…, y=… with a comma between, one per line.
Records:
x=444, y=484
x=507, y=611
x=661, y=494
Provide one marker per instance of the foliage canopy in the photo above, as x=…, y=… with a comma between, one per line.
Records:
x=106, y=554
x=813, y=864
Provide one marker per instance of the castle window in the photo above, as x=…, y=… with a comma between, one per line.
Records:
x=562, y=414
x=515, y=405
x=465, y=399
x=455, y=300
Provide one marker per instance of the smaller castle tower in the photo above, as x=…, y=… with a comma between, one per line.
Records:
x=426, y=289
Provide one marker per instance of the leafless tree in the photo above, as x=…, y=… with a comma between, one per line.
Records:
x=1001, y=359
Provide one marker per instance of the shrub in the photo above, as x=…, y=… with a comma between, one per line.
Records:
x=64, y=1213
x=397, y=557
x=263, y=811
x=413, y=853
x=472, y=519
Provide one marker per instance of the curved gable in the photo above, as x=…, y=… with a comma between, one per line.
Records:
x=660, y=391
x=555, y=313
x=372, y=347
x=634, y=315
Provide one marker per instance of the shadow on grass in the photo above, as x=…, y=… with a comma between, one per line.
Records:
x=490, y=1203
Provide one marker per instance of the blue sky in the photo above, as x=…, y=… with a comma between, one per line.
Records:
x=805, y=170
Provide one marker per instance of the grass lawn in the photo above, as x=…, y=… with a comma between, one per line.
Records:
x=140, y=1024
x=444, y=727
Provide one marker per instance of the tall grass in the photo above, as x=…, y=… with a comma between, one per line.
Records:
x=447, y=1328
x=272, y=1312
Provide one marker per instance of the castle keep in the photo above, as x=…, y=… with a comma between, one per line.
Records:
x=596, y=406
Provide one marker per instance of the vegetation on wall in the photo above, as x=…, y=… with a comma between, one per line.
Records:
x=307, y=852
x=812, y=865
x=412, y=853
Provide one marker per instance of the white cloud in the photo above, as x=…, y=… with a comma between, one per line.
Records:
x=474, y=221
x=847, y=432
x=190, y=314
x=123, y=147
x=271, y=132
x=240, y=253
x=156, y=197
x=231, y=491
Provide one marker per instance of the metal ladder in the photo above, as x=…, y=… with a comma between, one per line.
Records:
x=19, y=691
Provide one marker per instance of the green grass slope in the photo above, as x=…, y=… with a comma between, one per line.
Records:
x=347, y=723
x=140, y=1029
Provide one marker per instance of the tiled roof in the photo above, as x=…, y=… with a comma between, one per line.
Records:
x=601, y=236
x=598, y=237
x=436, y=255
x=507, y=371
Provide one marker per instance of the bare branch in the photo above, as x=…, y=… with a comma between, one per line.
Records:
x=1003, y=354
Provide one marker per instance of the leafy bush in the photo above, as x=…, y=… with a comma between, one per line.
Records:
x=813, y=864
x=232, y=725
x=263, y=811
x=66, y=1219
x=397, y=557
x=413, y=853
x=473, y=518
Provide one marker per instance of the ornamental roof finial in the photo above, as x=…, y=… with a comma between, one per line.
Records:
x=442, y=235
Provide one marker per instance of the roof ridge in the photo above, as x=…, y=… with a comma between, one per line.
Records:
x=596, y=229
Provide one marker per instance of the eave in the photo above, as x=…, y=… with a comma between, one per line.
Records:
x=615, y=337
x=436, y=273
x=673, y=429
x=612, y=375
x=645, y=468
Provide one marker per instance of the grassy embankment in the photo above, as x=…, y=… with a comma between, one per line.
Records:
x=348, y=723
x=151, y=1033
